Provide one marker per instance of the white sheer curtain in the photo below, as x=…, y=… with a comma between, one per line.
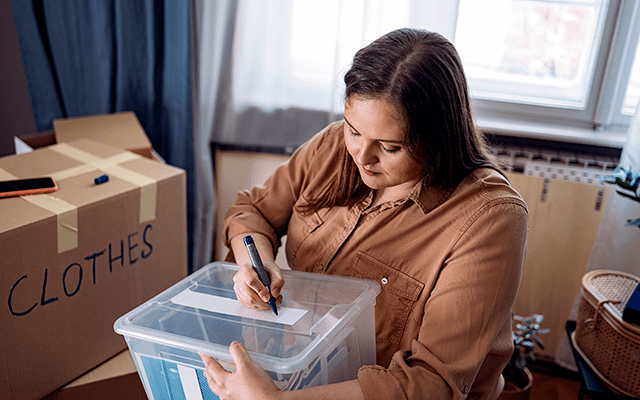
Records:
x=213, y=24
x=294, y=53
x=270, y=72
x=617, y=246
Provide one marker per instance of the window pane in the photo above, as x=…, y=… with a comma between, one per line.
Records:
x=536, y=52
x=633, y=90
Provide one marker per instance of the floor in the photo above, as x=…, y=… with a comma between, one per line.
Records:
x=550, y=387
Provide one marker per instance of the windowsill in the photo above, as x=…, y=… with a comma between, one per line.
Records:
x=284, y=131
x=553, y=132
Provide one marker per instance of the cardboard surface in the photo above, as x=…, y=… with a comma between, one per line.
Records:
x=116, y=378
x=39, y=139
x=122, y=387
x=76, y=260
x=118, y=129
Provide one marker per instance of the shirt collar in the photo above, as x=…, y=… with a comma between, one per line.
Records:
x=427, y=197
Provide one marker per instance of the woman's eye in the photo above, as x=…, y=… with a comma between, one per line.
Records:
x=353, y=133
x=389, y=150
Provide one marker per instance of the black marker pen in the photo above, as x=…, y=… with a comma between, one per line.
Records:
x=259, y=268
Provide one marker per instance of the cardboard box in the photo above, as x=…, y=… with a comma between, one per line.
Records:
x=116, y=378
x=74, y=261
x=118, y=129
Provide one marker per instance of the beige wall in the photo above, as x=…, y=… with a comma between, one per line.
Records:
x=563, y=225
x=236, y=171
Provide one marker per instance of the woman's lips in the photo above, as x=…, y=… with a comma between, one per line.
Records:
x=367, y=172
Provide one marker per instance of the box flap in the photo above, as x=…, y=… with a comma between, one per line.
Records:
x=118, y=129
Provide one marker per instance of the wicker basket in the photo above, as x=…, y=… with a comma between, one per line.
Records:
x=608, y=344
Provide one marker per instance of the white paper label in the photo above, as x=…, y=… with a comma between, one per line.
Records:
x=190, y=384
x=224, y=305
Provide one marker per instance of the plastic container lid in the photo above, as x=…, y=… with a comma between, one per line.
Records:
x=201, y=314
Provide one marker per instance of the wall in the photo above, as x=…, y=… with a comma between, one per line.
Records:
x=235, y=171
x=16, y=115
x=564, y=217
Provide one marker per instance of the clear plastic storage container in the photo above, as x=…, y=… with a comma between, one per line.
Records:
x=324, y=331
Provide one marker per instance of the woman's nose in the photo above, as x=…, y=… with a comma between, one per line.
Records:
x=366, y=155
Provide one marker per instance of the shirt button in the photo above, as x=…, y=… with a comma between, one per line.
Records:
x=465, y=389
x=319, y=267
x=384, y=281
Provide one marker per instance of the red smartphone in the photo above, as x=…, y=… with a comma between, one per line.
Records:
x=21, y=187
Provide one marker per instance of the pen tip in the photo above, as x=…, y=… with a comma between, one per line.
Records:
x=272, y=303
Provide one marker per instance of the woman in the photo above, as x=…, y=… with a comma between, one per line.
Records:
x=403, y=191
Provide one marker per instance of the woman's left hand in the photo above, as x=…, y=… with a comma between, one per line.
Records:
x=248, y=381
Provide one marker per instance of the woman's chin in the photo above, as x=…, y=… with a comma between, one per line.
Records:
x=371, y=182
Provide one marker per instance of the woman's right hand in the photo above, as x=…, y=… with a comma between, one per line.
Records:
x=251, y=292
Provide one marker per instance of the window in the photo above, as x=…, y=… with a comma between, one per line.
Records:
x=553, y=69
x=565, y=64
x=536, y=52
x=632, y=96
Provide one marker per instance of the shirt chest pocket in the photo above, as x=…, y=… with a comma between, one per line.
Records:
x=301, y=225
x=395, y=302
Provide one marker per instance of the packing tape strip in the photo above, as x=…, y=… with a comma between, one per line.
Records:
x=67, y=216
x=109, y=165
x=75, y=153
x=66, y=213
x=6, y=175
x=91, y=159
x=148, y=189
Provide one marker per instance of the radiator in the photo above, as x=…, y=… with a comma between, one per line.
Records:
x=585, y=168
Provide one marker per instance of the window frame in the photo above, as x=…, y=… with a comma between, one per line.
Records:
x=601, y=121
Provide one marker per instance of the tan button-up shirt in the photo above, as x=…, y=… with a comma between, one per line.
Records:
x=449, y=262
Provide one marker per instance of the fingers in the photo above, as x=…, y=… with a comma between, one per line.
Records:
x=251, y=292
x=246, y=284
x=212, y=365
x=275, y=275
x=213, y=372
x=240, y=355
x=249, y=381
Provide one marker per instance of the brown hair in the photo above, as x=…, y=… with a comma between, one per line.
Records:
x=420, y=73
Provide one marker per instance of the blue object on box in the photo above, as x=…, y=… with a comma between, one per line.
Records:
x=101, y=179
x=631, y=311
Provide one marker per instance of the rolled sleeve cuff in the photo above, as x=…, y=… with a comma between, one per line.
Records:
x=378, y=383
x=244, y=222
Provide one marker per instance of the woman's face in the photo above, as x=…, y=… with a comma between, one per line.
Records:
x=374, y=136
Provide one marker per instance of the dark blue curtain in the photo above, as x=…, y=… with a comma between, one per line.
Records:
x=88, y=57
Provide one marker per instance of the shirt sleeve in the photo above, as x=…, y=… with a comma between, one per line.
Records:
x=466, y=320
x=267, y=208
